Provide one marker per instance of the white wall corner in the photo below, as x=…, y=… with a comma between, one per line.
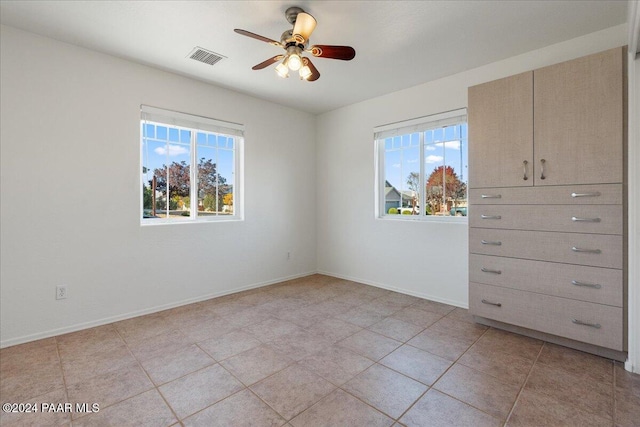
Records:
x=633, y=22
x=633, y=161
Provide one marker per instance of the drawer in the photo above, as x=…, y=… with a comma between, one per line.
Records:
x=597, y=250
x=593, y=284
x=598, y=219
x=553, y=315
x=601, y=194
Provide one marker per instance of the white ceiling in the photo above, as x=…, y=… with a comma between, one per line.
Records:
x=399, y=44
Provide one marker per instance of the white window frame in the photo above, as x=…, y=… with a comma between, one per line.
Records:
x=195, y=124
x=417, y=125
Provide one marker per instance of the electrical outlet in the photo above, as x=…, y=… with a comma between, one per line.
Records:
x=61, y=292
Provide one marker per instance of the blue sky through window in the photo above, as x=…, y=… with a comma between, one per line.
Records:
x=163, y=145
x=443, y=146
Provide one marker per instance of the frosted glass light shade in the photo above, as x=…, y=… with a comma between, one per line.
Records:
x=294, y=62
x=305, y=72
x=282, y=71
x=305, y=24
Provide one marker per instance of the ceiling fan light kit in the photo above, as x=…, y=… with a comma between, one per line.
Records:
x=303, y=27
x=305, y=72
x=282, y=70
x=295, y=42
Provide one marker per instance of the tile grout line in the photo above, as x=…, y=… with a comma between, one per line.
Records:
x=614, y=403
x=515, y=402
x=245, y=387
x=414, y=403
x=213, y=404
x=64, y=379
x=563, y=370
x=158, y=385
x=376, y=362
x=431, y=387
x=148, y=377
x=340, y=387
x=286, y=421
x=294, y=362
x=137, y=361
x=84, y=380
x=248, y=387
x=362, y=401
x=424, y=328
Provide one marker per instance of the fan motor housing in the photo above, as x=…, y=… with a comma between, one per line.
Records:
x=287, y=39
x=292, y=14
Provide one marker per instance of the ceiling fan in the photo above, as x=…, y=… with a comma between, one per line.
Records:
x=296, y=41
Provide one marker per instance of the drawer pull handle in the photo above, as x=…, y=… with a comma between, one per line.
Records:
x=490, y=216
x=594, y=194
x=491, y=196
x=488, y=270
x=592, y=325
x=491, y=242
x=588, y=251
x=524, y=166
x=497, y=304
x=578, y=219
x=542, y=162
x=586, y=285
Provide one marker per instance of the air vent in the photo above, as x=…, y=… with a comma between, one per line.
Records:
x=206, y=56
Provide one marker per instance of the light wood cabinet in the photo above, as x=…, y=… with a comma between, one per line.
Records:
x=594, y=219
x=607, y=194
x=547, y=252
x=596, y=324
x=579, y=282
x=500, y=119
x=578, y=124
x=558, y=125
x=600, y=250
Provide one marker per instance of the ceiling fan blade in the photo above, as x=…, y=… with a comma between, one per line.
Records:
x=268, y=62
x=304, y=26
x=315, y=74
x=257, y=37
x=345, y=53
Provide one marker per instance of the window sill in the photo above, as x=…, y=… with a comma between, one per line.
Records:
x=428, y=218
x=156, y=222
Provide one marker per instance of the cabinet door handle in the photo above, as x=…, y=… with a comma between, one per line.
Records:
x=586, y=285
x=592, y=325
x=497, y=304
x=491, y=196
x=542, y=162
x=578, y=219
x=524, y=167
x=491, y=242
x=488, y=270
x=594, y=194
x=588, y=251
x=490, y=217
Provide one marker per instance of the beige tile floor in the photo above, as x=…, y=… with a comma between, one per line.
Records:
x=316, y=351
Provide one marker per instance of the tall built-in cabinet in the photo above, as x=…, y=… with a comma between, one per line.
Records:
x=546, y=217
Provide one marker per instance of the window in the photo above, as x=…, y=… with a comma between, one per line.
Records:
x=422, y=167
x=191, y=168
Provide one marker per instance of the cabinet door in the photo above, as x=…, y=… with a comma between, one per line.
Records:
x=500, y=118
x=578, y=125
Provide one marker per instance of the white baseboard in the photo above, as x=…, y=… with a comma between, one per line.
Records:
x=628, y=366
x=125, y=316
x=396, y=289
x=112, y=319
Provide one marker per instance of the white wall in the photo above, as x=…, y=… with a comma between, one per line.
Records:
x=70, y=192
x=633, y=364
x=422, y=258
